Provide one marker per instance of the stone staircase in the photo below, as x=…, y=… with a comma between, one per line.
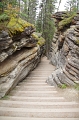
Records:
x=33, y=99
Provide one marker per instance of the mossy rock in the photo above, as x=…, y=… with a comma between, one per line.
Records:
x=41, y=40
x=17, y=25
x=13, y=23
x=35, y=36
x=66, y=22
x=77, y=42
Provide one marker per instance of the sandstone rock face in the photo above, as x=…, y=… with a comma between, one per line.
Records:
x=19, y=55
x=65, y=53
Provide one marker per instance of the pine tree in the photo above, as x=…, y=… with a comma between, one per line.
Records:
x=29, y=11
x=2, y=6
x=24, y=9
x=40, y=17
x=39, y=23
x=47, y=24
x=72, y=5
x=32, y=8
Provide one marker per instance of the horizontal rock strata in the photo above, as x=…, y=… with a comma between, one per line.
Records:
x=65, y=53
x=19, y=55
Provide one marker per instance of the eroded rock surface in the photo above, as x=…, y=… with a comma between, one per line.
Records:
x=65, y=52
x=19, y=55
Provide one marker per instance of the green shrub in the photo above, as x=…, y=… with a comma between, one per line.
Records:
x=41, y=40
x=77, y=86
x=4, y=17
x=63, y=86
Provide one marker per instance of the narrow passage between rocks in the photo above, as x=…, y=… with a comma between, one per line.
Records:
x=34, y=99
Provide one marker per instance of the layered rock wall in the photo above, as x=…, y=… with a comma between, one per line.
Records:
x=19, y=55
x=65, y=50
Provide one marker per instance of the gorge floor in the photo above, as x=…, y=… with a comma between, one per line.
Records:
x=34, y=99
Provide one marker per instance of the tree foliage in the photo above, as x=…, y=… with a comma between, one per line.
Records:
x=27, y=9
x=72, y=5
x=45, y=23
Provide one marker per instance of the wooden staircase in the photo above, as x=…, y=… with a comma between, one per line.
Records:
x=33, y=99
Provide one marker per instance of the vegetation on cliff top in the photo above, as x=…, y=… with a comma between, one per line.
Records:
x=17, y=25
x=13, y=23
x=41, y=40
x=66, y=21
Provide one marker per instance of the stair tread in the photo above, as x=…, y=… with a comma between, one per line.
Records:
x=38, y=110
x=39, y=103
x=34, y=99
x=24, y=118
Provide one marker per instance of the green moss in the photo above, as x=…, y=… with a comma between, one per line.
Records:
x=77, y=42
x=77, y=86
x=35, y=36
x=4, y=17
x=17, y=25
x=3, y=25
x=66, y=21
x=11, y=22
x=63, y=86
x=41, y=40
x=6, y=97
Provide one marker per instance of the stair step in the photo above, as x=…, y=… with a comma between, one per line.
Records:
x=33, y=84
x=34, y=99
x=50, y=113
x=52, y=87
x=46, y=71
x=38, y=110
x=36, y=87
x=36, y=77
x=41, y=69
x=41, y=92
x=35, y=81
x=24, y=118
x=38, y=105
x=43, y=72
x=37, y=99
x=35, y=93
x=39, y=75
x=26, y=88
